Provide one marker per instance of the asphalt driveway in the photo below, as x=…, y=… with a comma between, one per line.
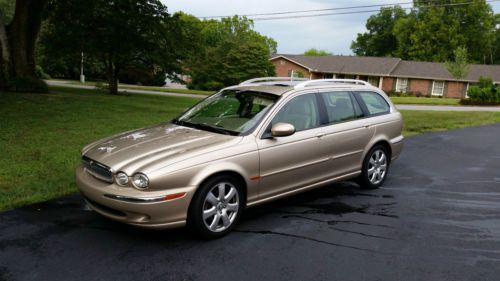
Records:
x=436, y=218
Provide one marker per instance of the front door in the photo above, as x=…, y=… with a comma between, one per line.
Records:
x=290, y=162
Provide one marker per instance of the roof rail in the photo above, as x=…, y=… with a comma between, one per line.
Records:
x=270, y=79
x=326, y=81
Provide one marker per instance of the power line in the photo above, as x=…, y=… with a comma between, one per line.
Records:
x=343, y=13
x=308, y=11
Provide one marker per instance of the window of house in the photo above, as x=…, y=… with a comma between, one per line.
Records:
x=373, y=80
x=374, y=103
x=328, y=76
x=437, y=88
x=340, y=107
x=402, y=85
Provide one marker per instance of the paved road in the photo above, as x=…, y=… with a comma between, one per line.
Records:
x=436, y=218
x=135, y=91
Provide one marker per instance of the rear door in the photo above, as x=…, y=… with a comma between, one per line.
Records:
x=347, y=131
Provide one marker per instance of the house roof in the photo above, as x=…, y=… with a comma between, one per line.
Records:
x=345, y=64
x=434, y=70
x=395, y=67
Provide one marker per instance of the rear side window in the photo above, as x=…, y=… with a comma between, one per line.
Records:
x=341, y=107
x=374, y=103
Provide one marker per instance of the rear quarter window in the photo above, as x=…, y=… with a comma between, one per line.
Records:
x=375, y=103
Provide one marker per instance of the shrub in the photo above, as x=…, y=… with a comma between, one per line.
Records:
x=40, y=73
x=484, y=93
x=28, y=84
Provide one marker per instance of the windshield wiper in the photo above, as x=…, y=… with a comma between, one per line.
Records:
x=205, y=127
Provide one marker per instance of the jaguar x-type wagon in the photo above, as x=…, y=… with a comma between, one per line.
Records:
x=262, y=140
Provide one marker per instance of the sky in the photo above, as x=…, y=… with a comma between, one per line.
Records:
x=331, y=33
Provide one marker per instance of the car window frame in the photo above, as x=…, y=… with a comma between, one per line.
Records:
x=265, y=131
x=351, y=97
x=364, y=107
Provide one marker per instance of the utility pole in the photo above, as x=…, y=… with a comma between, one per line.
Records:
x=82, y=77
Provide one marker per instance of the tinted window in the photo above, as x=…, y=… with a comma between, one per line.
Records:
x=374, y=103
x=301, y=112
x=340, y=107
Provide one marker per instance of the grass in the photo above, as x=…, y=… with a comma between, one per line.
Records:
x=41, y=135
x=425, y=101
x=419, y=122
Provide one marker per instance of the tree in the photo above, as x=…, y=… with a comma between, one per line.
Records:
x=229, y=52
x=121, y=34
x=460, y=66
x=316, y=52
x=380, y=40
x=17, y=43
x=496, y=46
x=431, y=32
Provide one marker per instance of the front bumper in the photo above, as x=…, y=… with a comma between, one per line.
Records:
x=155, y=209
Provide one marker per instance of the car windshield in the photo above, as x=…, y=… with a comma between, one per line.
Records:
x=231, y=112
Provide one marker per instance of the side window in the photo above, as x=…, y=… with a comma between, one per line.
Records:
x=374, y=103
x=301, y=112
x=340, y=107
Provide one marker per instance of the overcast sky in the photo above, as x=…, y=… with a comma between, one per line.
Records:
x=332, y=33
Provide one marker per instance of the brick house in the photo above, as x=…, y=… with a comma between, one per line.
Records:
x=389, y=74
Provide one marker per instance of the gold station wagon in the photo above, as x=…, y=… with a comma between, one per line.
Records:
x=262, y=140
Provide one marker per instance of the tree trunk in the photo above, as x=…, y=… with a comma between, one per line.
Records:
x=17, y=40
x=112, y=75
x=4, y=55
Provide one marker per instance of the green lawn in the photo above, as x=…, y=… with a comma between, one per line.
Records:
x=419, y=122
x=41, y=134
x=425, y=101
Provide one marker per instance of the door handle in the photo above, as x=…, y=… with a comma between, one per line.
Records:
x=320, y=135
x=368, y=125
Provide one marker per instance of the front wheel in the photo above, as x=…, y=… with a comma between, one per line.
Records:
x=216, y=207
x=375, y=168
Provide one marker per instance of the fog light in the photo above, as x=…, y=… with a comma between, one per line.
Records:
x=121, y=178
x=140, y=181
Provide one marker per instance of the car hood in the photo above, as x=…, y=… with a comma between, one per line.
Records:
x=166, y=144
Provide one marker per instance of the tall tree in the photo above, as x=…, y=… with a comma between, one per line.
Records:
x=120, y=33
x=496, y=46
x=17, y=40
x=434, y=29
x=316, y=52
x=380, y=40
x=230, y=51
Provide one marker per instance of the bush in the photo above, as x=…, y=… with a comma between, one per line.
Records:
x=213, y=86
x=40, y=73
x=485, y=93
x=28, y=84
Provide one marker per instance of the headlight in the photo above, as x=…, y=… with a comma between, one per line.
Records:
x=140, y=180
x=121, y=178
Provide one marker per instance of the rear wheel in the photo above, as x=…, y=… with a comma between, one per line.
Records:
x=375, y=168
x=216, y=207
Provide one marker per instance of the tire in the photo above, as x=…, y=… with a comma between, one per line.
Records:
x=212, y=215
x=375, y=168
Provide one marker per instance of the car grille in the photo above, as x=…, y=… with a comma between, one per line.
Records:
x=97, y=169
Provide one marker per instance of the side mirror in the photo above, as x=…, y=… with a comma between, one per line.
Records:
x=282, y=130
